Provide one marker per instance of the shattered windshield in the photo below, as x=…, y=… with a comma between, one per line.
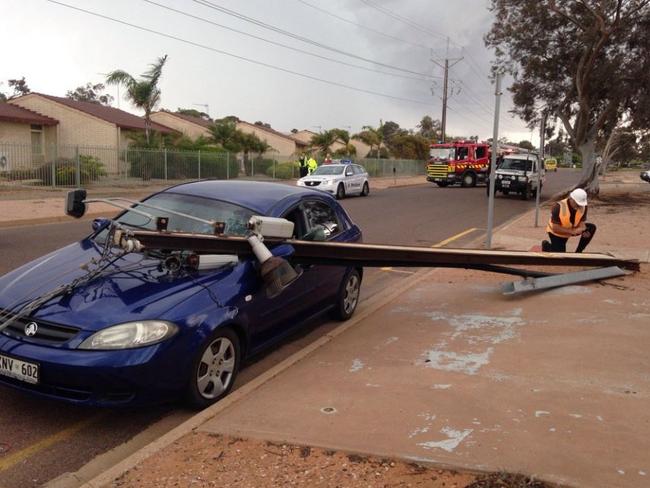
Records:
x=234, y=216
x=443, y=153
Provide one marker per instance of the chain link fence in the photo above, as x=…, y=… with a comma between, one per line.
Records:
x=74, y=166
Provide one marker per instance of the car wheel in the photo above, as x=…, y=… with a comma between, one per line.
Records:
x=441, y=184
x=340, y=192
x=469, y=180
x=348, y=296
x=215, y=368
x=506, y=192
x=525, y=195
x=366, y=190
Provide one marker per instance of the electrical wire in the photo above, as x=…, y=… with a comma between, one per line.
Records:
x=285, y=46
x=370, y=29
x=306, y=40
x=242, y=58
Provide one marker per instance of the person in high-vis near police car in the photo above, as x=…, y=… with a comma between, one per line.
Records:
x=568, y=219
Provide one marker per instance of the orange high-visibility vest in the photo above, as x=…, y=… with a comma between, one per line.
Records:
x=565, y=218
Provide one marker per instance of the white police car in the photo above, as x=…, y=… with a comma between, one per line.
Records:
x=339, y=180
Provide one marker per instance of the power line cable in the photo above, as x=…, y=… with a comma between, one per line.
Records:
x=405, y=20
x=236, y=56
x=365, y=68
x=370, y=29
x=273, y=28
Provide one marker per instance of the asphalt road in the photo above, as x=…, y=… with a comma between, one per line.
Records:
x=40, y=440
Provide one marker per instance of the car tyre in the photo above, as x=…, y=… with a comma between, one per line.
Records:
x=469, y=180
x=347, y=297
x=441, y=184
x=366, y=190
x=214, y=369
x=525, y=195
x=340, y=192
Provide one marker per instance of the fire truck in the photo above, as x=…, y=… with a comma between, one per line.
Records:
x=463, y=162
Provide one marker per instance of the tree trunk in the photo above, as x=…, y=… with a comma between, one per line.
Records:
x=609, y=151
x=589, y=177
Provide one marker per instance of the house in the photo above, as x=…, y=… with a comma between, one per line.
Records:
x=305, y=136
x=192, y=127
x=29, y=130
x=282, y=145
x=94, y=129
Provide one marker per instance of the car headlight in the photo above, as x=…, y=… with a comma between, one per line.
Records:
x=130, y=335
x=327, y=182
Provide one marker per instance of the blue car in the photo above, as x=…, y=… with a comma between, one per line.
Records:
x=139, y=333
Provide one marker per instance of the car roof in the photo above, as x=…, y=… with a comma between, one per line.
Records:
x=259, y=196
x=530, y=156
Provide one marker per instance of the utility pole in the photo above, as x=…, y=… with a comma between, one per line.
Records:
x=542, y=135
x=493, y=164
x=445, y=90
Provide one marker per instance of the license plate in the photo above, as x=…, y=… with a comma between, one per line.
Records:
x=505, y=183
x=20, y=370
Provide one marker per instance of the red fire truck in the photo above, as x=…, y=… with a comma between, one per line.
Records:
x=464, y=162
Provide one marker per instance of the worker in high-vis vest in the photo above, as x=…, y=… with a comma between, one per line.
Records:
x=569, y=219
x=312, y=165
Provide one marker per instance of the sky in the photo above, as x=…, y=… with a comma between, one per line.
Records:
x=381, y=61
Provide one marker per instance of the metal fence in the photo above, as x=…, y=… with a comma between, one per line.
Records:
x=74, y=166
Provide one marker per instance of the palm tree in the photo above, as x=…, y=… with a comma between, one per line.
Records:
x=143, y=93
x=324, y=140
x=371, y=136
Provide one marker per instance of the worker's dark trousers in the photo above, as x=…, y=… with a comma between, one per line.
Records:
x=558, y=244
x=303, y=171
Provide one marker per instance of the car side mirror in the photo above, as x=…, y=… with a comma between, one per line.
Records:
x=74, y=203
x=100, y=224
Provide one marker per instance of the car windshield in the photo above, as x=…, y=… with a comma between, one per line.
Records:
x=517, y=164
x=328, y=170
x=443, y=153
x=234, y=216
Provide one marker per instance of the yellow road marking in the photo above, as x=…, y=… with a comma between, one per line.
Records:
x=397, y=270
x=17, y=457
x=453, y=238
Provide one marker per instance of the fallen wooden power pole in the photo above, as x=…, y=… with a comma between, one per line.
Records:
x=377, y=255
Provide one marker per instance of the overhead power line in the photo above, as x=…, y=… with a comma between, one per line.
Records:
x=285, y=46
x=306, y=40
x=405, y=20
x=370, y=29
x=236, y=56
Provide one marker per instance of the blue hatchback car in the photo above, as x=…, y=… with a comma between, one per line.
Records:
x=139, y=334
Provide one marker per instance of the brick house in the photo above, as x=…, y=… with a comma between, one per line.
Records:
x=85, y=126
x=282, y=145
x=27, y=129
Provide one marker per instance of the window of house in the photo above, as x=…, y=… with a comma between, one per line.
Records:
x=37, y=138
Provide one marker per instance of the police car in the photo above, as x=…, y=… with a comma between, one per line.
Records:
x=340, y=180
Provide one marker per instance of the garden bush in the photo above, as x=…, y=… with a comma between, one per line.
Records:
x=284, y=171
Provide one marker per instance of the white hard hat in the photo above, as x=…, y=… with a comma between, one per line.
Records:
x=579, y=196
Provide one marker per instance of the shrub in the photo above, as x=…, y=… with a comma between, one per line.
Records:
x=284, y=171
x=258, y=165
x=90, y=169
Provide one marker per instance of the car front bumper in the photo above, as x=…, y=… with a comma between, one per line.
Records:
x=142, y=376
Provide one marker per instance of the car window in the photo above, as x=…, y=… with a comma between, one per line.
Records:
x=349, y=171
x=328, y=170
x=320, y=220
x=234, y=216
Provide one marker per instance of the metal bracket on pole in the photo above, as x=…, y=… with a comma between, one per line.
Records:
x=555, y=281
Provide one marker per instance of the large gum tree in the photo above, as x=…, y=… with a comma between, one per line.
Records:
x=585, y=62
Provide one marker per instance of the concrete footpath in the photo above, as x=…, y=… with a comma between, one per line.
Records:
x=43, y=206
x=446, y=371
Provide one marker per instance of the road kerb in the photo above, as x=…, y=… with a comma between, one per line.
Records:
x=371, y=306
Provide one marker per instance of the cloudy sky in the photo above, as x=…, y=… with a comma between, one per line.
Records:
x=366, y=60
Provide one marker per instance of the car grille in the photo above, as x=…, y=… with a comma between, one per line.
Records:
x=312, y=183
x=47, y=332
x=438, y=170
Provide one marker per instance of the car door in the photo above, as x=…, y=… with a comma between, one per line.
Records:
x=349, y=179
x=275, y=317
